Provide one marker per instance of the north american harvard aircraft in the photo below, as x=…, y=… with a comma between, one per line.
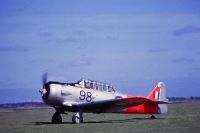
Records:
x=89, y=96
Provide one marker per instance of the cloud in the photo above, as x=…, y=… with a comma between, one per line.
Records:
x=80, y=32
x=44, y=34
x=14, y=48
x=72, y=39
x=78, y=62
x=75, y=36
x=186, y=30
x=158, y=50
x=67, y=40
x=182, y=60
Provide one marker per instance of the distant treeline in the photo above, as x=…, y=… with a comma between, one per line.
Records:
x=183, y=98
x=24, y=105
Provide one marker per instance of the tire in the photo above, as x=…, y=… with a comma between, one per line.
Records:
x=153, y=117
x=76, y=119
x=56, y=118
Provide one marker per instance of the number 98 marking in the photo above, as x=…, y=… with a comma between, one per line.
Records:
x=85, y=96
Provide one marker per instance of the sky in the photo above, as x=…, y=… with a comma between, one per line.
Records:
x=132, y=44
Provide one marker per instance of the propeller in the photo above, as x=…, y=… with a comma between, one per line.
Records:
x=45, y=90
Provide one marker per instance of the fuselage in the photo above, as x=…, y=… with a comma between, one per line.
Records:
x=62, y=94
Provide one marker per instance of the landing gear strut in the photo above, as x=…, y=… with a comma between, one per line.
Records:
x=77, y=118
x=153, y=117
x=56, y=118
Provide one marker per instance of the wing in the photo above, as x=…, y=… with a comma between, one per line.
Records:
x=102, y=106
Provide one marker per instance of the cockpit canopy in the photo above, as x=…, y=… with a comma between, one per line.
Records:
x=95, y=85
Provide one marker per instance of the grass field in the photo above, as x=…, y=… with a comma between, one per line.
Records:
x=182, y=118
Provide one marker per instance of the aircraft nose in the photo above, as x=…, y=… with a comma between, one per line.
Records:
x=45, y=91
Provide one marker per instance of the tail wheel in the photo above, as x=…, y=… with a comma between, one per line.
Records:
x=56, y=118
x=153, y=117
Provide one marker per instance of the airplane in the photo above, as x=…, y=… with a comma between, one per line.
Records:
x=89, y=96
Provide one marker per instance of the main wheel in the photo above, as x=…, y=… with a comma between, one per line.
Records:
x=56, y=118
x=76, y=119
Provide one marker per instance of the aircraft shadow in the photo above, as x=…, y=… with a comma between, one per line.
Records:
x=47, y=123
x=120, y=121
x=94, y=122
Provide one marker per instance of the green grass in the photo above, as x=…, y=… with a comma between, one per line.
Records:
x=182, y=118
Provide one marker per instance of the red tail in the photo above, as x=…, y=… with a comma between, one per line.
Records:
x=155, y=93
x=158, y=97
x=158, y=93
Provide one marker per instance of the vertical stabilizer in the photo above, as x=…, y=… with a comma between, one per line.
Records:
x=159, y=94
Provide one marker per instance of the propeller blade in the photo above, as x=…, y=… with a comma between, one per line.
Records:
x=44, y=78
